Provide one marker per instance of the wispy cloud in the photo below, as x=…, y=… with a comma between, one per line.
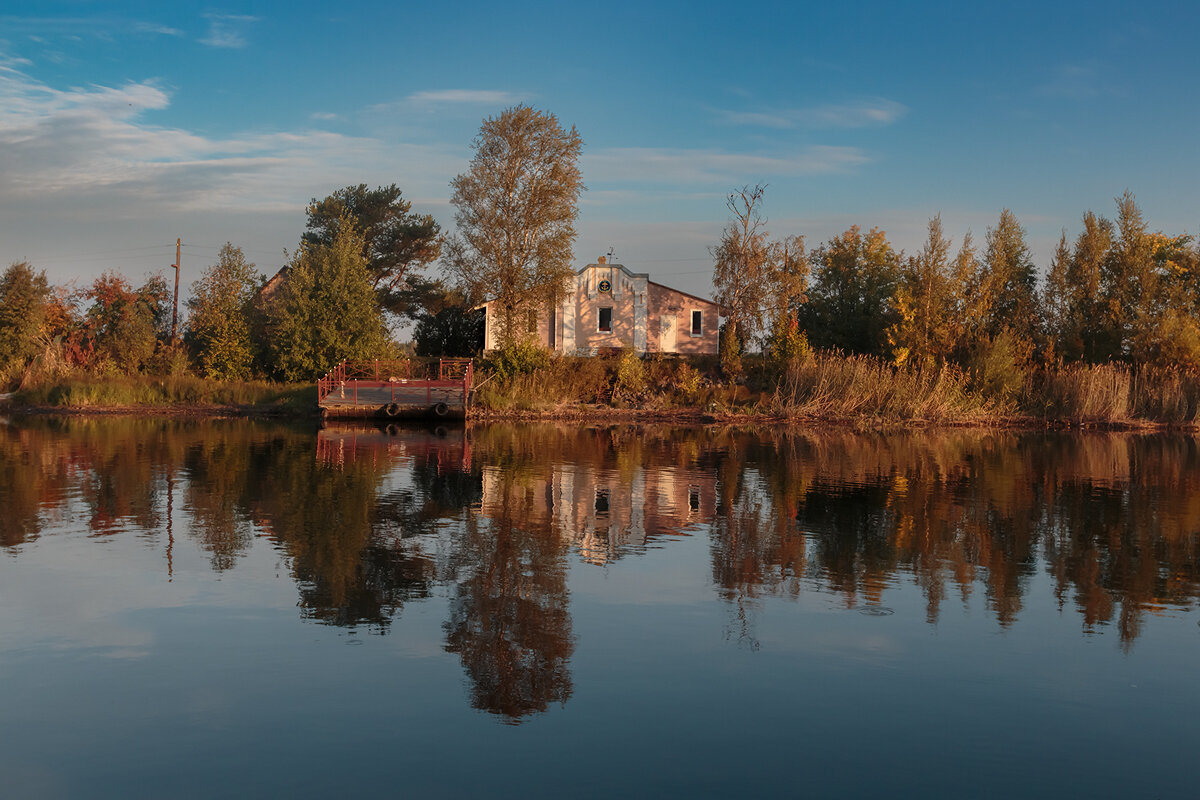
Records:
x=156, y=29
x=37, y=29
x=858, y=114
x=688, y=166
x=89, y=147
x=1074, y=82
x=467, y=96
x=227, y=30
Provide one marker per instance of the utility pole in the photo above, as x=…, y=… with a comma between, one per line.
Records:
x=175, y=313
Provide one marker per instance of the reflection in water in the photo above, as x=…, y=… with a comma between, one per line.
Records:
x=372, y=520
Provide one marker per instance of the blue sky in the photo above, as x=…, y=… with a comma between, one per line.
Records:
x=123, y=126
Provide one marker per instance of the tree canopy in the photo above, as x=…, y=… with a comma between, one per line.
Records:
x=515, y=211
x=23, y=297
x=219, y=325
x=397, y=242
x=326, y=310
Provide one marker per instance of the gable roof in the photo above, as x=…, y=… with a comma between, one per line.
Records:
x=687, y=294
x=621, y=267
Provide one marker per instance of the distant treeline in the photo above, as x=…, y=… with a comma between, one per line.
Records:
x=1112, y=330
x=357, y=263
x=1118, y=292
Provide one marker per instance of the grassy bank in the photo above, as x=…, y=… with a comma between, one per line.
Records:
x=829, y=386
x=180, y=392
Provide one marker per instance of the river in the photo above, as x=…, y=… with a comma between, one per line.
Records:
x=206, y=608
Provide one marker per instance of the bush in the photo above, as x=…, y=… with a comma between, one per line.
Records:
x=519, y=358
x=631, y=375
x=997, y=367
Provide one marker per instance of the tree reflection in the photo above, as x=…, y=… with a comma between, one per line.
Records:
x=1115, y=519
x=371, y=520
x=509, y=619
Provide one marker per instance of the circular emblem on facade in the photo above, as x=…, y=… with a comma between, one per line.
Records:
x=605, y=286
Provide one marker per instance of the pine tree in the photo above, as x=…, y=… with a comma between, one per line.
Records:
x=327, y=310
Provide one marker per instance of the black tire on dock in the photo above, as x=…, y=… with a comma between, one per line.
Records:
x=441, y=410
x=392, y=410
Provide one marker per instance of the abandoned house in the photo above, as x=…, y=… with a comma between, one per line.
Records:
x=608, y=307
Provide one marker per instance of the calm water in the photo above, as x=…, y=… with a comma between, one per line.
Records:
x=243, y=609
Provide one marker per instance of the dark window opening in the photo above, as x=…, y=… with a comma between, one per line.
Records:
x=604, y=323
x=697, y=323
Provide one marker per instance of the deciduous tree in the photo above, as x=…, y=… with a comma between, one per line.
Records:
x=924, y=302
x=516, y=209
x=23, y=297
x=1007, y=281
x=219, y=323
x=741, y=261
x=851, y=304
x=124, y=325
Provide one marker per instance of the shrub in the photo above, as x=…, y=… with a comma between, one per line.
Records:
x=631, y=374
x=519, y=358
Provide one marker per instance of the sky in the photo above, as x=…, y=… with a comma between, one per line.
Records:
x=126, y=125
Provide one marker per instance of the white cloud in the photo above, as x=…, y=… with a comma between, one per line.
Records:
x=227, y=30
x=1074, y=82
x=156, y=29
x=859, y=114
x=470, y=96
x=655, y=165
x=85, y=145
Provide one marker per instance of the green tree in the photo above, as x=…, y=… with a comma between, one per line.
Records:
x=1130, y=280
x=23, y=298
x=220, y=319
x=516, y=210
x=965, y=321
x=326, y=309
x=1007, y=281
x=124, y=325
x=787, y=290
x=1072, y=300
x=922, y=332
x=447, y=325
x=851, y=304
x=741, y=261
x=1056, y=305
x=397, y=242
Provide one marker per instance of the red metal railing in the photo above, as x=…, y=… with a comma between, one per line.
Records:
x=459, y=371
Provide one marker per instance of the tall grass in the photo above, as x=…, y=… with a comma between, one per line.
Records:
x=1083, y=393
x=182, y=390
x=835, y=386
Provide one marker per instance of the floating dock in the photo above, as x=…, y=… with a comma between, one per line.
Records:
x=444, y=447
x=396, y=389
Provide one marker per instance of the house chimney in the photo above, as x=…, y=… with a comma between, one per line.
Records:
x=603, y=260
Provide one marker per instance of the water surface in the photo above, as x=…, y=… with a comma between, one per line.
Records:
x=232, y=608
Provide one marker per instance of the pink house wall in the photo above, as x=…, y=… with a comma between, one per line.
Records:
x=665, y=301
x=587, y=318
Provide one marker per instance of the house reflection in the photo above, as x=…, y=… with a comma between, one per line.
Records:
x=602, y=513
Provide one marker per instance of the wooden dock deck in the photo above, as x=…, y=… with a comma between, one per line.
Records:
x=397, y=389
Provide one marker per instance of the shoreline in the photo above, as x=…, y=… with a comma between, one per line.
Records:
x=591, y=415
